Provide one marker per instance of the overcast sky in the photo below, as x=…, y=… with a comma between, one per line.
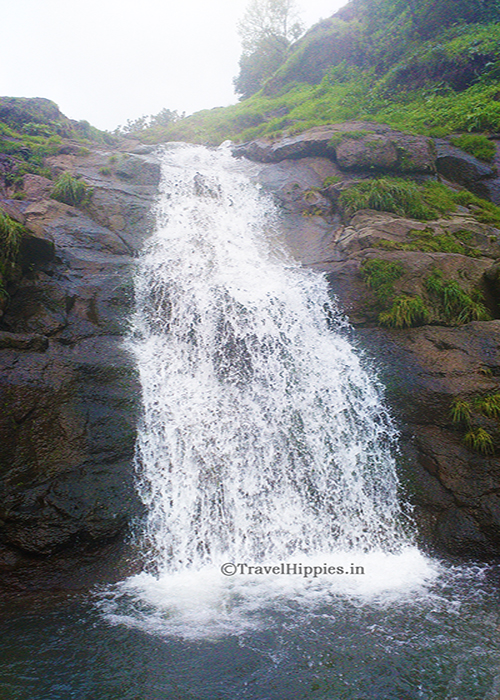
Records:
x=112, y=60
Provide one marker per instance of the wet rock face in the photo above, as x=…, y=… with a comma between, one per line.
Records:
x=69, y=388
x=454, y=488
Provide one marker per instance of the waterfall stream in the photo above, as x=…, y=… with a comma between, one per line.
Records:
x=264, y=442
x=278, y=563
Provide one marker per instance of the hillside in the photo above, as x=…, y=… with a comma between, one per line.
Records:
x=429, y=68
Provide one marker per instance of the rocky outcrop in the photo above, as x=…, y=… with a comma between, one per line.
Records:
x=355, y=146
x=454, y=488
x=69, y=387
x=460, y=167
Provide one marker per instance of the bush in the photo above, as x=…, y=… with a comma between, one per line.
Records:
x=70, y=190
x=477, y=145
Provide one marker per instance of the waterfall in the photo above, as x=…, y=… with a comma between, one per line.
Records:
x=263, y=438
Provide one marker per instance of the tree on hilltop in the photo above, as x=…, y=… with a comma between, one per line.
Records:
x=266, y=29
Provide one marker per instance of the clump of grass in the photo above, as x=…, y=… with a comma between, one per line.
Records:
x=402, y=197
x=330, y=180
x=429, y=242
x=477, y=145
x=10, y=242
x=380, y=276
x=461, y=411
x=484, y=211
x=455, y=304
x=480, y=440
x=488, y=405
x=10, y=237
x=406, y=312
x=105, y=170
x=71, y=190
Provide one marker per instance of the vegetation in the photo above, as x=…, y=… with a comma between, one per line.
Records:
x=477, y=145
x=488, y=405
x=31, y=129
x=429, y=242
x=468, y=415
x=71, y=190
x=461, y=411
x=403, y=197
x=431, y=67
x=406, y=311
x=455, y=305
x=380, y=276
x=480, y=440
x=266, y=30
x=10, y=241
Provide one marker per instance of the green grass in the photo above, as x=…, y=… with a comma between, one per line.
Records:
x=429, y=242
x=477, y=145
x=403, y=197
x=348, y=92
x=406, y=312
x=11, y=233
x=71, y=190
x=488, y=405
x=484, y=211
x=461, y=411
x=479, y=440
x=380, y=276
x=455, y=305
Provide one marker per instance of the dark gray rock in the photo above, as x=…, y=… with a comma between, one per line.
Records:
x=69, y=387
x=458, y=166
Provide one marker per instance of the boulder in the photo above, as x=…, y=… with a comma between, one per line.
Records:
x=354, y=145
x=458, y=166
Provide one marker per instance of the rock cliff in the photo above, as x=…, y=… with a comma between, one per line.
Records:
x=453, y=485
x=69, y=389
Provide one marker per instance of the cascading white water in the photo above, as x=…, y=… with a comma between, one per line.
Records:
x=263, y=439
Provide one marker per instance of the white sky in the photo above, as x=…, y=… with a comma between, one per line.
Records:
x=112, y=60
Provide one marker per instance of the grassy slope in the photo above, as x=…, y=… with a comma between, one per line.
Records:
x=450, y=83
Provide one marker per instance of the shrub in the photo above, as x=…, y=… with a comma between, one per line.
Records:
x=406, y=312
x=477, y=145
x=70, y=190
